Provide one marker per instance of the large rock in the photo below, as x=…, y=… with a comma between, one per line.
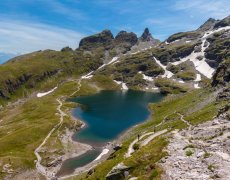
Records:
x=118, y=172
x=103, y=39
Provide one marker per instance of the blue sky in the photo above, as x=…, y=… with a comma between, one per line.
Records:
x=29, y=25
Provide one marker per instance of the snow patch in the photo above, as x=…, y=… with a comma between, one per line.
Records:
x=202, y=66
x=118, y=82
x=104, y=152
x=198, y=78
x=187, y=41
x=147, y=78
x=155, y=88
x=46, y=93
x=181, y=81
x=167, y=73
x=196, y=86
x=208, y=33
x=87, y=76
x=110, y=62
x=123, y=85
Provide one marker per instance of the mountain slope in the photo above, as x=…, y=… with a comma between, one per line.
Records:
x=194, y=66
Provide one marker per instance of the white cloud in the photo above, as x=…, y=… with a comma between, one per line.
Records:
x=208, y=8
x=26, y=36
x=61, y=8
x=153, y=21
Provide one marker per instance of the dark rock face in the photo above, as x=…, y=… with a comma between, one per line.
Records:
x=124, y=37
x=218, y=48
x=222, y=74
x=66, y=49
x=209, y=24
x=146, y=36
x=223, y=23
x=103, y=39
x=118, y=172
x=173, y=54
x=10, y=86
x=190, y=35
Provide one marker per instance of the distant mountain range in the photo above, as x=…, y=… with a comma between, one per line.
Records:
x=4, y=57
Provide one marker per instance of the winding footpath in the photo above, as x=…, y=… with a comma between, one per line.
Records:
x=151, y=135
x=40, y=168
x=183, y=120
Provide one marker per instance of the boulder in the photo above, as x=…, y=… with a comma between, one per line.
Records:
x=118, y=172
x=117, y=147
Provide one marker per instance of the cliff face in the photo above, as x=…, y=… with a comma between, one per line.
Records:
x=11, y=85
x=222, y=74
x=103, y=39
x=224, y=22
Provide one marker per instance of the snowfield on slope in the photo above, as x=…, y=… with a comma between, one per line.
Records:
x=201, y=65
x=167, y=73
x=46, y=93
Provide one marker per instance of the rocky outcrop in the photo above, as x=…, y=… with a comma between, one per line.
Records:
x=120, y=44
x=223, y=23
x=103, y=39
x=118, y=172
x=124, y=37
x=201, y=152
x=146, y=36
x=66, y=49
x=222, y=74
x=10, y=86
x=124, y=41
x=218, y=48
x=208, y=25
x=174, y=53
x=191, y=35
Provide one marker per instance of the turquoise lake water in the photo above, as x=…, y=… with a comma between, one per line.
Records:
x=107, y=114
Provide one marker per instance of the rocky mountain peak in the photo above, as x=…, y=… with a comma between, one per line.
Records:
x=209, y=24
x=146, y=36
x=126, y=37
x=103, y=38
x=222, y=23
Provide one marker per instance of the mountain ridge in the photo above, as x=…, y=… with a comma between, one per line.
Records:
x=191, y=68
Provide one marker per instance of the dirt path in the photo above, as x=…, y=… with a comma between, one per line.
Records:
x=145, y=142
x=150, y=138
x=41, y=169
x=186, y=122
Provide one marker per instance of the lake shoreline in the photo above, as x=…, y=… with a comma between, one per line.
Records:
x=108, y=147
